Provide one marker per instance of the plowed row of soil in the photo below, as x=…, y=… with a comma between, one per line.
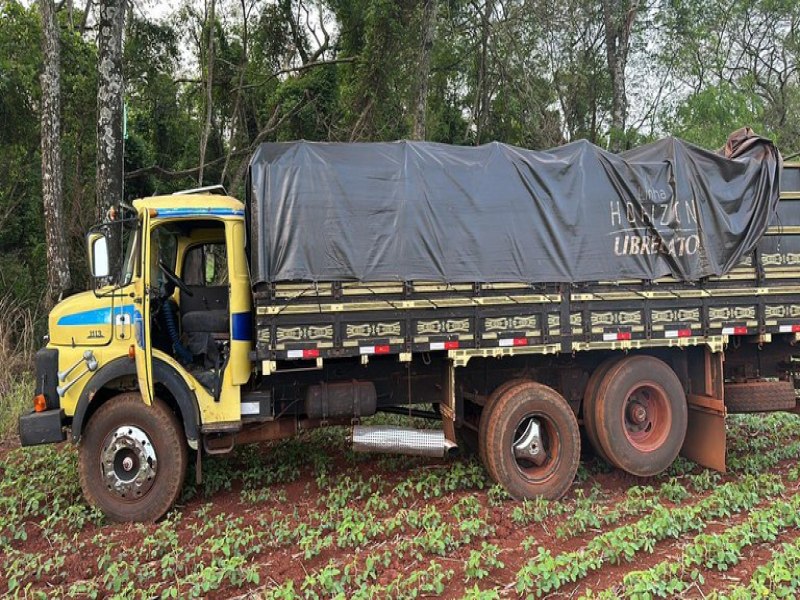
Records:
x=262, y=516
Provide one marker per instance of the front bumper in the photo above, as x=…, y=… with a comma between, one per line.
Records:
x=46, y=427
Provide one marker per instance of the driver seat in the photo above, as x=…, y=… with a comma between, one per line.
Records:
x=206, y=311
x=206, y=321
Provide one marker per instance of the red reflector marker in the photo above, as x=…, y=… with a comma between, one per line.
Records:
x=383, y=349
x=451, y=345
x=312, y=353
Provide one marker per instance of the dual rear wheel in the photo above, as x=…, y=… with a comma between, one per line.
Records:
x=635, y=416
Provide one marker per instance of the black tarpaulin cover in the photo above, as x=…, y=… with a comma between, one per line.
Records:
x=405, y=211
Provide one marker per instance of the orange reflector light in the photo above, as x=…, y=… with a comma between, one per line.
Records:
x=131, y=351
x=153, y=213
x=39, y=403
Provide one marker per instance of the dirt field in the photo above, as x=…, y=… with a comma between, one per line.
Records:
x=310, y=519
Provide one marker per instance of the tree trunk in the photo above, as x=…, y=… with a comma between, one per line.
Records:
x=209, y=89
x=58, y=277
x=424, y=71
x=481, y=104
x=237, y=103
x=618, y=19
x=111, y=17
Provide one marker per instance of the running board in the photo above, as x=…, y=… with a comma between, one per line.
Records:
x=402, y=440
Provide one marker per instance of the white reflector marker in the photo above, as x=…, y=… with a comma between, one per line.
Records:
x=251, y=408
x=790, y=328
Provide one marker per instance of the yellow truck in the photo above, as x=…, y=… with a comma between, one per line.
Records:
x=213, y=323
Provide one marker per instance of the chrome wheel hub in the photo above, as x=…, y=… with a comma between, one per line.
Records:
x=529, y=444
x=128, y=462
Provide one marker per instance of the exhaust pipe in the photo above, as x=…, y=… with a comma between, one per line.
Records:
x=402, y=440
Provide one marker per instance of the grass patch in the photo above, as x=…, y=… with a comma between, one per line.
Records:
x=13, y=403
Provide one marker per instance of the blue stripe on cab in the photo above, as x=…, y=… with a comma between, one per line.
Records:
x=242, y=326
x=97, y=316
x=199, y=212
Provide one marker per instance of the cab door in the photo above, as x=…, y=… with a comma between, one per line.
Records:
x=141, y=317
x=241, y=323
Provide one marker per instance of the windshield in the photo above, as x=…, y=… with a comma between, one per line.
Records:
x=131, y=251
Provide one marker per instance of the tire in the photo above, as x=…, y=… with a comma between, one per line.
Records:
x=487, y=409
x=641, y=415
x=560, y=442
x=590, y=402
x=759, y=396
x=132, y=459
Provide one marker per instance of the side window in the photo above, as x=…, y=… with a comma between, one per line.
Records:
x=206, y=265
x=164, y=248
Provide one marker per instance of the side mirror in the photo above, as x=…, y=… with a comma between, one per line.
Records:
x=98, y=255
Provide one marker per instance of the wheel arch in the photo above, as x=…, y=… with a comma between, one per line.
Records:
x=170, y=386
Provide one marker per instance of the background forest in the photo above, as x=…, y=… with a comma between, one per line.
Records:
x=204, y=82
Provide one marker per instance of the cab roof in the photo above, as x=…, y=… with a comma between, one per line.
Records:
x=192, y=205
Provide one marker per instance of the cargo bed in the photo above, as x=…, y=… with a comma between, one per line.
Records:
x=761, y=296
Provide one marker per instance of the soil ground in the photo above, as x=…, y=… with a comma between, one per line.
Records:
x=308, y=518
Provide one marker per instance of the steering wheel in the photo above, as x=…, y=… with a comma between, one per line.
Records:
x=174, y=278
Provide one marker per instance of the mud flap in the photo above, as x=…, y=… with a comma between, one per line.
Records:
x=705, y=441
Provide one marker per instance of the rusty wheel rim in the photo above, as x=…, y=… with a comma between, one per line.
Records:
x=647, y=416
x=540, y=465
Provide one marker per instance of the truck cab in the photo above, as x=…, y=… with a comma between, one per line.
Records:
x=168, y=325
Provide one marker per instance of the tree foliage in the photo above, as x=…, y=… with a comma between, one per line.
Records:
x=535, y=73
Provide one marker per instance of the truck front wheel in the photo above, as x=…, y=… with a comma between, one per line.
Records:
x=132, y=459
x=640, y=415
x=533, y=443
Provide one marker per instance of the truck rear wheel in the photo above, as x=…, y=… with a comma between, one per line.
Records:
x=533, y=443
x=590, y=402
x=641, y=415
x=132, y=459
x=487, y=409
